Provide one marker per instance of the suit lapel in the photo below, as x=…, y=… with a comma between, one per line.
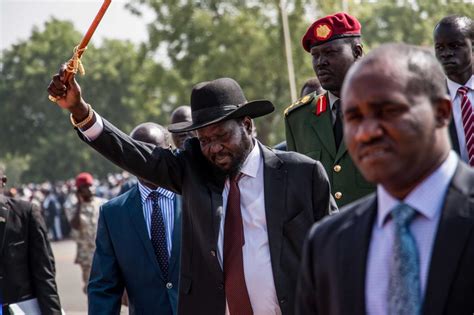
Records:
x=274, y=179
x=454, y=229
x=353, y=250
x=216, y=213
x=454, y=136
x=342, y=150
x=135, y=209
x=322, y=125
x=176, y=242
x=3, y=221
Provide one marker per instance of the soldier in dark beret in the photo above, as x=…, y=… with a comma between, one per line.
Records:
x=314, y=122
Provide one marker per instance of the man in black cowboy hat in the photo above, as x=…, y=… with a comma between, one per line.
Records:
x=246, y=208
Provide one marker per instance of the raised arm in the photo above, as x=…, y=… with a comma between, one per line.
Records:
x=159, y=166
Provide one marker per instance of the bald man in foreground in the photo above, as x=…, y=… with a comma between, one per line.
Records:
x=409, y=247
x=138, y=245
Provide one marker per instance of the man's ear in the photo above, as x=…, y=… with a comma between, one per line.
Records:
x=443, y=112
x=248, y=123
x=357, y=51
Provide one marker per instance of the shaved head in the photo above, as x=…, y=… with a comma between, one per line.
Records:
x=181, y=114
x=151, y=133
x=462, y=23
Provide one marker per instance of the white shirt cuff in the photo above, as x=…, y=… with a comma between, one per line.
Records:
x=95, y=130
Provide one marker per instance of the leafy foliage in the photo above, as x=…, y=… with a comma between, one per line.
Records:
x=189, y=41
x=120, y=82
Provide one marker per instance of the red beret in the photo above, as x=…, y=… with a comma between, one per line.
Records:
x=84, y=179
x=328, y=28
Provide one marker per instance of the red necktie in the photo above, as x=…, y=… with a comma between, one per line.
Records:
x=467, y=122
x=235, y=287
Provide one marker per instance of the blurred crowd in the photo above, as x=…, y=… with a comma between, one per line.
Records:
x=58, y=200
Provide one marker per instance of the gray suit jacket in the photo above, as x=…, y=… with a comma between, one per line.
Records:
x=297, y=194
x=332, y=279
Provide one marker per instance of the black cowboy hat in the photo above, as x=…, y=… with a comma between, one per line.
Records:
x=219, y=100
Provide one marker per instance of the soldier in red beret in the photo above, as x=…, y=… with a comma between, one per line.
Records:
x=314, y=122
x=84, y=223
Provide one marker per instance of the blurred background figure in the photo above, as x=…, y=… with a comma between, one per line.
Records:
x=84, y=223
x=181, y=114
x=453, y=43
x=311, y=85
x=27, y=270
x=52, y=212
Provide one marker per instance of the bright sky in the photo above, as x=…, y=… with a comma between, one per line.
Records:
x=17, y=18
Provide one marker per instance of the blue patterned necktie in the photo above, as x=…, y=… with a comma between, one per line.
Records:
x=404, y=290
x=158, y=234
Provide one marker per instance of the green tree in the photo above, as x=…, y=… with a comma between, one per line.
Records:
x=205, y=40
x=399, y=20
x=120, y=82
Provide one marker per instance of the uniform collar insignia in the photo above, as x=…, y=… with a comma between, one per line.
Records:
x=321, y=104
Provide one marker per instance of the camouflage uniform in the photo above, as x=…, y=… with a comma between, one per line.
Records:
x=85, y=236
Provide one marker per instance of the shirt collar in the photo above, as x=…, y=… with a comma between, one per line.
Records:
x=145, y=192
x=427, y=198
x=454, y=86
x=332, y=98
x=252, y=162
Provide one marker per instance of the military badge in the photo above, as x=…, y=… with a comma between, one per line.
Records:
x=323, y=32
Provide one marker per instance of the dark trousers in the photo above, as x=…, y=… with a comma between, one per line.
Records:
x=5, y=310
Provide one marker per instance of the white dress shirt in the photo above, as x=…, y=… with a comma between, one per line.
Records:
x=256, y=251
x=95, y=130
x=427, y=199
x=457, y=115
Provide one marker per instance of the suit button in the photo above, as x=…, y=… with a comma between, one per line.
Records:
x=338, y=195
x=169, y=285
x=213, y=253
x=220, y=286
x=337, y=168
x=282, y=301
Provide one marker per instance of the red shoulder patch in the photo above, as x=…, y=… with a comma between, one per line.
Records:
x=321, y=104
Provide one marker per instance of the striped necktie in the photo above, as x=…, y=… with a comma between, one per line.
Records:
x=404, y=293
x=467, y=122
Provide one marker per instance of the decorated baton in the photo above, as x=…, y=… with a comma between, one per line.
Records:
x=74, y=64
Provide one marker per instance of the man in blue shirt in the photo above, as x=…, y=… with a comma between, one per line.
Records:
x=138, y=240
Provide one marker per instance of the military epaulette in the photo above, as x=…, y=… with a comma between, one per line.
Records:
x=302, y=101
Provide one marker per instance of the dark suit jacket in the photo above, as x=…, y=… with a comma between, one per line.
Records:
x=124, y=258
x=26, y=260
x=332, y=279
x=297, y=193
x=453, y=135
